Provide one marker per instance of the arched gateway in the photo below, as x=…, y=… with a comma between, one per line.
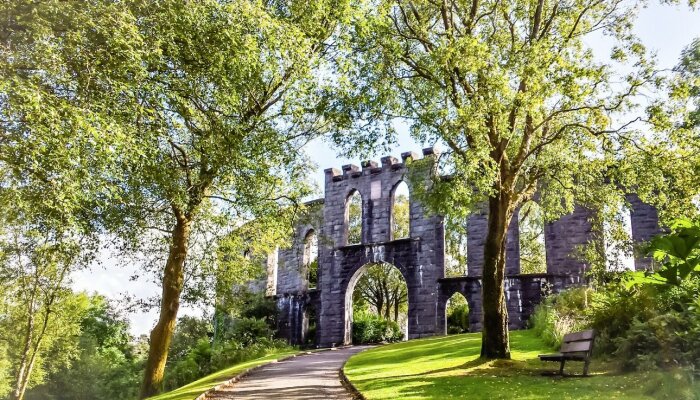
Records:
x=420, y=257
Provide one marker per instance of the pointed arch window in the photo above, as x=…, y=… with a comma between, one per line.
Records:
x=353, y=218
x=400, y=211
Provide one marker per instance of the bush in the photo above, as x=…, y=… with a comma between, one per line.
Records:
x=250, y=330
x=368, y=328
x=644, y=326
x=232, y=352
x=560, y=314
x=458, y=319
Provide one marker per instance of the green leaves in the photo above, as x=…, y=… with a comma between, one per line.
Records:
x=678, y=252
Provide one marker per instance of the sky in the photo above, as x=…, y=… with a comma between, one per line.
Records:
x=664, y=29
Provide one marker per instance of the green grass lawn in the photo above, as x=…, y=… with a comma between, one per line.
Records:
x=194, y=389
x=449, y=367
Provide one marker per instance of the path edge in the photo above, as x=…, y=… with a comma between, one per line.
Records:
x=345, y=381
x=240, y=376
x=246, y=372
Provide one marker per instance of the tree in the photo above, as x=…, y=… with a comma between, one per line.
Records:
x=207, y=103
x=49, y=147
x=105, y=365
x=382, y=287
x=689, y=71
x=42, y=315
x=512, y=91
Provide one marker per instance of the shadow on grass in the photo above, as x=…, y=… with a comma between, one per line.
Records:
x=450, y=367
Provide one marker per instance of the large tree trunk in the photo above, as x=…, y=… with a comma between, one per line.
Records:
x=495, y=341
x=162, y=333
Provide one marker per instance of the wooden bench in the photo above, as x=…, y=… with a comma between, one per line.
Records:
x=575, y=347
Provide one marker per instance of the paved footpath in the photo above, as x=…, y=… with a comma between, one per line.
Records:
x=309, y=376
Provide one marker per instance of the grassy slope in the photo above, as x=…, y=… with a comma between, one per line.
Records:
x=449, y=367
x=194, y=389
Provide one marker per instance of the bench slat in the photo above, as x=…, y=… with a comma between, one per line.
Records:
x=573, y=347
x=579, y=336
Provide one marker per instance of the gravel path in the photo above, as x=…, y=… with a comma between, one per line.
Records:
x=310, y=376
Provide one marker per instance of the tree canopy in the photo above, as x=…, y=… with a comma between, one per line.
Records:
x=518, y=99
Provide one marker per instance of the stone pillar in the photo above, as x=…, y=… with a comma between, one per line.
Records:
x=477, y=228
x=562, y=237
x=513, y=245
x=645, y=225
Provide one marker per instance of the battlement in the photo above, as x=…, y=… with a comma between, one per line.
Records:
x=370, y=167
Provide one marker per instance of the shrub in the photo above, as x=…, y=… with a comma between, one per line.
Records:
x=560, y=314
x=368, y=328
x=232, y=352
x=458, y=319
x=250, y=330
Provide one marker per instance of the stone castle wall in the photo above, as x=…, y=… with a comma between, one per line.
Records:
x=420, y=258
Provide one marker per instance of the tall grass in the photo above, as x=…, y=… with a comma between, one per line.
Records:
x=561, y=314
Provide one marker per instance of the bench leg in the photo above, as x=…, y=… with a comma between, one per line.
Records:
x=585, y=367
x=561, y=367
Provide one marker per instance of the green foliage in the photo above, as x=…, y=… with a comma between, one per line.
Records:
x=313, y=273
x=651, y=326
x=457, y=315
x=532, y=250
x=368, y=328
x=243, y=332
x=205, y=358
x=678, y=252
x=400, y=215
x=560, y=314
x=354, y=218
x=642, y=325
x=689, y=69
x=243, y=304
x=190, y=116
x=188, y=333
x=104, y=365
x=381, y=290
x=249, y=330
x=512, y=90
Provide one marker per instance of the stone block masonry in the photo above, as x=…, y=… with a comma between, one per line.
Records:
x=420, y=258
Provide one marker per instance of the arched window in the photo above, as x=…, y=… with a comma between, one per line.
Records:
x=353, y=218
x=400, y=212
x=310, y=258
x=533, y=255
x=617, y=235
x=457, y=314
x=455, y=247
x=272, y=260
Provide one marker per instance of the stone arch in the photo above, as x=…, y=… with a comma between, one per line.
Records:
x=310, y=258
x=348, y=296
x=400, y=211
x=470, y=288
x=460, y=298
x=353, y=225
